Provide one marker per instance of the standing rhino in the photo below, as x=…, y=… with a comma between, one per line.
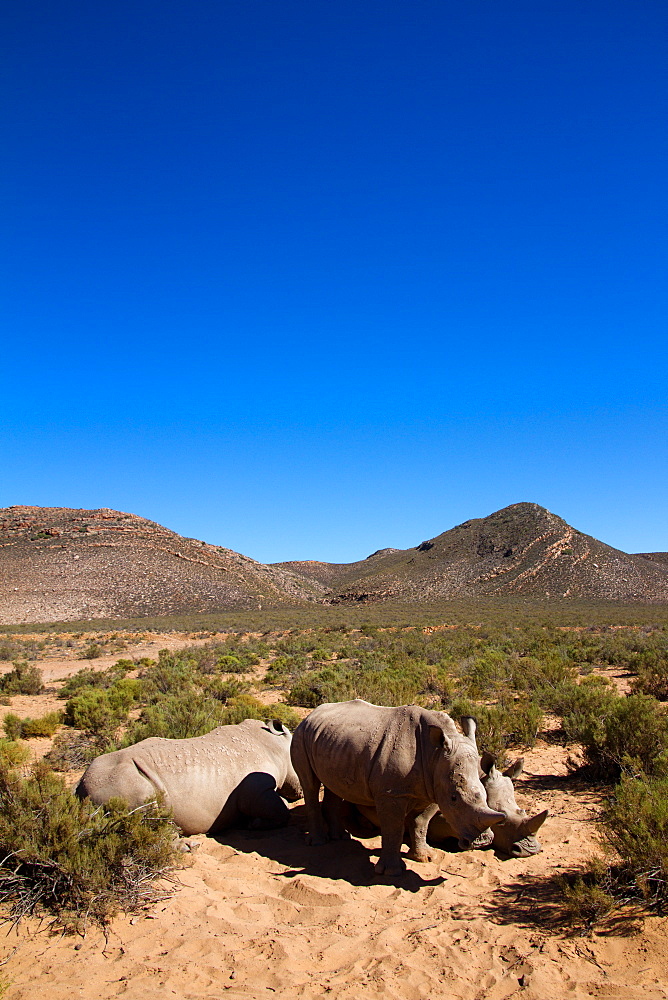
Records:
x=407, y=762
x=232, y=774
x=515, y=835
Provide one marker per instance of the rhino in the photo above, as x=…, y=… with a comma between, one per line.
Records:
x=233, y=774
x=515, y=836
x=406, y=762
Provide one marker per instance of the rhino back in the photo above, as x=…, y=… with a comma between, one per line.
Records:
x=197, y=777
x=358, y=750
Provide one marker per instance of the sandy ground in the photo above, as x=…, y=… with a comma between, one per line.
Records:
x=261, y=914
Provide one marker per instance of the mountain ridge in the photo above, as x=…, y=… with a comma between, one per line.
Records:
x=59, y=564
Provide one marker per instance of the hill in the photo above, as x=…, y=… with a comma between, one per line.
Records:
x=59, y=564
x=523, y=549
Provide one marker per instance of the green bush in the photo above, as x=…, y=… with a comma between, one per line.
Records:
x=92, y=652
x=635, y=826
x=630, y=734
x=23, y=679
x=79, y=863
x=13, y=726
x=500, y=726
x=89, y=678
x=100, y=712
x=44, y=726
x=652, y=674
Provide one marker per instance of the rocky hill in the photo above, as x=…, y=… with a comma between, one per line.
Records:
x=59, y=564
x=523, y=549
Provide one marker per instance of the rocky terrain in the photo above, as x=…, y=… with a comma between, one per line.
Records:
x=62, y=564
x=523, y=549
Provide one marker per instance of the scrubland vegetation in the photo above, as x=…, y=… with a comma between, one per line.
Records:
x=518, y=680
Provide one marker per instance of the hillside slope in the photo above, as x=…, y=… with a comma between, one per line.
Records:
x=522, y=549
x=59, y=564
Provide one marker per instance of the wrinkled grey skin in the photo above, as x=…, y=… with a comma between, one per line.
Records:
x=515, y=836
x=232, y=775
x=405, y=762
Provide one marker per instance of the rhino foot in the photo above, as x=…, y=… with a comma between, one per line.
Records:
x=390, y=867
x=424, y=855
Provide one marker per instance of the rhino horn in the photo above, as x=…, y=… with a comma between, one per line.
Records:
x=534, y=823
x=515, y=769
x=491, y=816
x=468, y=724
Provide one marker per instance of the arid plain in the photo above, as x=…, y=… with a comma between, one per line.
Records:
x=261, y=914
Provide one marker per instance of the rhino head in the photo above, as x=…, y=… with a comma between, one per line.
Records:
x=290, y=788
x=458, y=790
x=516, y=835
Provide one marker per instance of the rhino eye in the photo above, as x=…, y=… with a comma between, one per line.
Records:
x=453, y=798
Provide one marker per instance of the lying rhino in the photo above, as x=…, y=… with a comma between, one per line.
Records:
x=231, y=775
x=406, y=762
x=515, y=835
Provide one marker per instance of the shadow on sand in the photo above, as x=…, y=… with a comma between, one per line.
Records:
x=347, y=860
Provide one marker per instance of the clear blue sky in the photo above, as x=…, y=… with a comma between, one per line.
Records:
x=307, y=279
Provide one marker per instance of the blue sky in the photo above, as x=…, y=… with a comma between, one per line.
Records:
x=308, y=279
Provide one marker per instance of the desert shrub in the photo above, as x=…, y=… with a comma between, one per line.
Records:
x=13, y=753
x=590, y=895
x=17, y=728
x=44, y=726
x=322, y=686
x=631, y=734
x=13, y=726
x=177, y=717
x=92, y=652
x=89, y=678
x=635, y=826
x=652, y=674
x=100, y=712
x=515, y=723
x=23, y=679
x=76, y=862
x=223, y=690
x=72, y=750
x=284, y=668
x=580, y=705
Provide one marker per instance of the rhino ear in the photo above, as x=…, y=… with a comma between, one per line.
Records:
x=437, y=738
x=515, y=769
x=487, y=762
x=468, y=724
x=276, y=727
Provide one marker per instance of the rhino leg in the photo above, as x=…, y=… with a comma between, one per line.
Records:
x=333, y=809
x=310, y=782
x=392, y=820
x=417, y=832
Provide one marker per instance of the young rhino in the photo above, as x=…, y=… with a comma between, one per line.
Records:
x=515, y=836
